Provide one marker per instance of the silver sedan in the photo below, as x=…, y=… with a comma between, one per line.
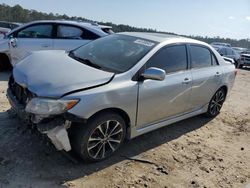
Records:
x=118, y=87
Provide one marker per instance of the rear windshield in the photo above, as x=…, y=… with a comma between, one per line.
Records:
x=115, y=53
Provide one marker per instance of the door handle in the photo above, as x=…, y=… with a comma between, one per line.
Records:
x=186, y=81
x=45, y=45
x=217, y=74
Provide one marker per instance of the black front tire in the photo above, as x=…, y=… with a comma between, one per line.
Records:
x=236, y=64
x=216, y=103
x=2, y=66
x=4, y=63
x=100, y=138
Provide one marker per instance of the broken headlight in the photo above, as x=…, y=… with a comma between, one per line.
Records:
x=43, y=106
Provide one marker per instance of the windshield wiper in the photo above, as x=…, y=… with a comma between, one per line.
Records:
x=84, y=60
x=88, y=62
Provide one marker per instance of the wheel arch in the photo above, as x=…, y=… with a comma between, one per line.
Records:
x=118, y=111
x=225, y=88
x=6, y=60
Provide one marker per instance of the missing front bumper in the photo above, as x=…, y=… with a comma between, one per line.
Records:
x=59, y=137
x=55, y=129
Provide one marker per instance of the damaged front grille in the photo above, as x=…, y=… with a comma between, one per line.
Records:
x=22, y=95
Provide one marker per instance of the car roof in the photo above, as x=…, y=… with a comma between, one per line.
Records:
x=105, y=27
x=91, y=26
x=161, y=37
x=80, y=23
x=221, y=43
x=72, y=22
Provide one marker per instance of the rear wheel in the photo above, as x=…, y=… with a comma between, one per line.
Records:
x=216, y=103
x=100, y=138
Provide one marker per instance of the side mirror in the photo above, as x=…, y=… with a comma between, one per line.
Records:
x=13, y=42
x=154, y=74
x=221, y=54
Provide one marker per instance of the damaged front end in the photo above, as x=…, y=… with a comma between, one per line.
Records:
x=49, y=117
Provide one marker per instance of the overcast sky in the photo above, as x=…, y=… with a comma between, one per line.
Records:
x=224, y=18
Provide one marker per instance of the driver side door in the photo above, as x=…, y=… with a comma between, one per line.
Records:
x=32, y=38
x=161, y=100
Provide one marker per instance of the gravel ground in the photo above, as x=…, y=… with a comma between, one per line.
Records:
x=197, y=152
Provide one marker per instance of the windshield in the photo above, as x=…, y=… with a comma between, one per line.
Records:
x=114, y=53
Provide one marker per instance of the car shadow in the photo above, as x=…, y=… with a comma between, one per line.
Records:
x=39, y=162
x=4, y=75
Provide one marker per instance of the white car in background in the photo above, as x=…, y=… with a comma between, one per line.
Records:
x=6, y=27
x=47, y=35
x=4, y=31
x=245, y=59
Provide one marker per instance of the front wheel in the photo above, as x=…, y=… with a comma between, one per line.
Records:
x=216, y=103
x=236, y=64
x=2, y=66
x=100, y=137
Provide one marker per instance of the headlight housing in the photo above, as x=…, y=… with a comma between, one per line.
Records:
x=43, y=106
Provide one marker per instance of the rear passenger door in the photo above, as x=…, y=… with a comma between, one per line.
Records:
x=160, y=100
x=69, y=37
x=206, y=75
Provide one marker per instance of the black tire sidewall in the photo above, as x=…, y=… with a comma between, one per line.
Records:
x=1, y=65
x=209, y=114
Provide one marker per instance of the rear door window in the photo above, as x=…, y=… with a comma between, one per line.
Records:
x=73, y=32
x=69, y=32
x=200, y=57
x=171, y=59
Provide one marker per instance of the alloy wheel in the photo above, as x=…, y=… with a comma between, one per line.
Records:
x=217, y=102
x=105, y=139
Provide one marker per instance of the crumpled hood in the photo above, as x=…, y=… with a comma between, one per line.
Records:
x=53, y=74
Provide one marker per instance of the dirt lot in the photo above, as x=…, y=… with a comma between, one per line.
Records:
x=197, y=152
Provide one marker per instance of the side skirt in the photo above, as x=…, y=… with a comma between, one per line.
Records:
x=137, y=132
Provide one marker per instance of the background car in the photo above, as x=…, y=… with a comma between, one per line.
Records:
x=107, y=29
x=221, y=44
x=240, y=50
x=245, y=59
x=6, y=27
x=47, y=35
x=245, y=56
x=229, y=53
x=116, y=87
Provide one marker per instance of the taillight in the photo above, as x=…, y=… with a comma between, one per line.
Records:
x=235, y=72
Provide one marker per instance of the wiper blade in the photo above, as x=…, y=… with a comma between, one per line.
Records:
x=88, y=62
x=84, y=60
